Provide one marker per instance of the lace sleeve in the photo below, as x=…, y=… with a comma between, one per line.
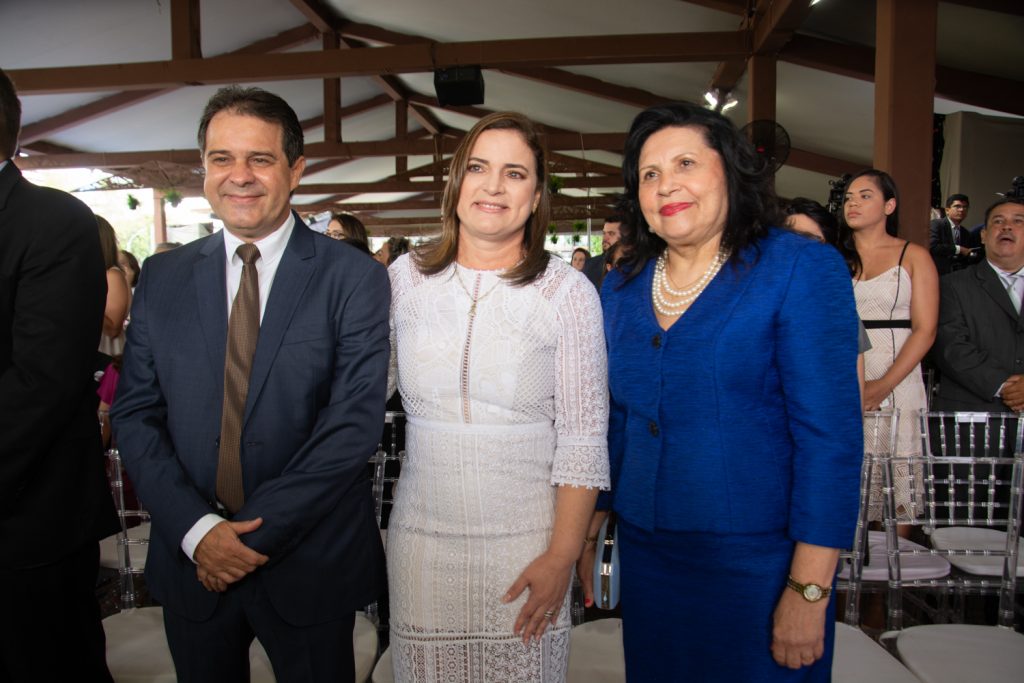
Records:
x=399, y=283
x=581, y=389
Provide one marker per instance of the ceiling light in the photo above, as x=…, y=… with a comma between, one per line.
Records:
x=729, y=104
x=711, y=99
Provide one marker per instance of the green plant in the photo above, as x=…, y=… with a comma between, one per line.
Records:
x=555, y=183
x=133, y=202
x=172, y=196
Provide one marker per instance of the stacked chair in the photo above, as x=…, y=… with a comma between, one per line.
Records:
x=972, y=484
x=856, y=656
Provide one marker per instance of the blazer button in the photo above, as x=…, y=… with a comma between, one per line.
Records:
x=656, y=341
x=653, y=427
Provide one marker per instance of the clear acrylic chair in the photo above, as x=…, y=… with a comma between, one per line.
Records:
x=972, y=469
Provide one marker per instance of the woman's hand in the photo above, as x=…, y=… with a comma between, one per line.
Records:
x=798, y=631
x=548, y=578
x=875, y=391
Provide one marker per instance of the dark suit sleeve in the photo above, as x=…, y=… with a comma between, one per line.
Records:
x=333, y=459
x=958, y=355
x=139, y=417
x=938, y=243
x=58, y=291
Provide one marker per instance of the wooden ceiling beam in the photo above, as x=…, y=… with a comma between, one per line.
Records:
x=320, y=16
x=588, y=85
x=107, y=105
x=858, y=61
x=495, y=54
x=317, y=150
x=773, y=25
x=332, y=94
x=737, y=7
x=186, y=40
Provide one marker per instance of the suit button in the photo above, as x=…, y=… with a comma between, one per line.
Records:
x=656, y=341
x=653, y=428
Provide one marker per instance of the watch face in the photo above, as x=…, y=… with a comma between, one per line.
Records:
x=812, y=592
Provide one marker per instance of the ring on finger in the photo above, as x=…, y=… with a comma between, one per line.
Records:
x=549, y=613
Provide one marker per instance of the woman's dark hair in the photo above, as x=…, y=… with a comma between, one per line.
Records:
x=887, y=185
x=753, y=207
x=133, y=263
x=437, y=254
x=817, y=213
x=586, y=254
x=261, y=104
x=108, y=243
x=353, y=230
x=396, y=247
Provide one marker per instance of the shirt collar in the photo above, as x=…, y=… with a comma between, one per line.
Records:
x=271, y=246
x=1003, y=274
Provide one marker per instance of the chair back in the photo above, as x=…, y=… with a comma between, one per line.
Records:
x=131, y=544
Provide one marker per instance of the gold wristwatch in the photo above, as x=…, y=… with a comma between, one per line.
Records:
x=811, y=592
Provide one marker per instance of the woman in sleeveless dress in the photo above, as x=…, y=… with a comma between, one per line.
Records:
x=501, y=366
x=897, y=291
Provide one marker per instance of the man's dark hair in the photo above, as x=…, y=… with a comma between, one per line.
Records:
x=957, y=198
x=261, y=104
x=1005, y=200
x=10, y=117
x=828, y=223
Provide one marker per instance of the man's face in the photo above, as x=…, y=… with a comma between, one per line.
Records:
x=1004, y=236
x=957, y=211
x=248, y=179
x=610, y=235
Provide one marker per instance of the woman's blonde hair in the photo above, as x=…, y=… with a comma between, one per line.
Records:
x=438, y=254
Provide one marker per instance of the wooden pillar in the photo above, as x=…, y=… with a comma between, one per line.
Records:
x=761, y=86
x=905, y=37
x=159, y=218
x=332, y=96
x=185, y=33
x=401, y=132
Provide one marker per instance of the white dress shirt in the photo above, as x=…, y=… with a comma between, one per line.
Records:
x=271, y=249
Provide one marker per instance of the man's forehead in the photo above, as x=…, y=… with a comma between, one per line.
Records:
x=1007, y=210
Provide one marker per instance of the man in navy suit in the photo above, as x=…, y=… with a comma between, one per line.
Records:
x=55, y=504
x=294, y=551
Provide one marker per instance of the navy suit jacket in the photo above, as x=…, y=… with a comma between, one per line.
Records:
x=744, y=416
x=312, y=418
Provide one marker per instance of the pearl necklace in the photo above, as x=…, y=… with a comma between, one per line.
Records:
x=660, y=286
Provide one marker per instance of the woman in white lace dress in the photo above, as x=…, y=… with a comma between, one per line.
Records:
x=501, y=366
x=897, y=291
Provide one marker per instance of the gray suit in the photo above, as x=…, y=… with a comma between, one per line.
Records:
x=980, y=340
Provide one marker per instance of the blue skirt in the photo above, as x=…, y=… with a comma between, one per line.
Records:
x=698, y=607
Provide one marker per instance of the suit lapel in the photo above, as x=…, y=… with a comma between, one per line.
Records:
x=994, y=287
x=9, y=177
x=210, y=280
x=290, y=281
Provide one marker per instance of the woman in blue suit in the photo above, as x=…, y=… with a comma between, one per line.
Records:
x=735, y=435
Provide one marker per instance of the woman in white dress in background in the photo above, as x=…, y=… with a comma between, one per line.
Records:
x=501, y=367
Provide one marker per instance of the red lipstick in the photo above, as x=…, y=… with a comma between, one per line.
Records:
x=674, y=208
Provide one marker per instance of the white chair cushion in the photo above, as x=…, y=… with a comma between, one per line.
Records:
x=911, y=566
x=108, y=548
x=858, y=658
x=596, y=654
x=384, y=672
x=974, y=538
x=956, y=653
x=137, y=649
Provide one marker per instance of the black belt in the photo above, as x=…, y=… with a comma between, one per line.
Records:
x=885, y=324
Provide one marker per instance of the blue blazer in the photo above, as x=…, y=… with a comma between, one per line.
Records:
x=313, y=416
x=744, y=417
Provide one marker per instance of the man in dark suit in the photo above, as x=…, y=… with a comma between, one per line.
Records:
x=979, y=346
x=55, y=504
x=251, y=397
x=596, y=266
x=952, y=246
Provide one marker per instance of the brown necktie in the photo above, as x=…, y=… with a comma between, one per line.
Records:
x=243, y=330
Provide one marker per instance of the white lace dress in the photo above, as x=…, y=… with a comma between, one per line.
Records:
x=506, y=399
